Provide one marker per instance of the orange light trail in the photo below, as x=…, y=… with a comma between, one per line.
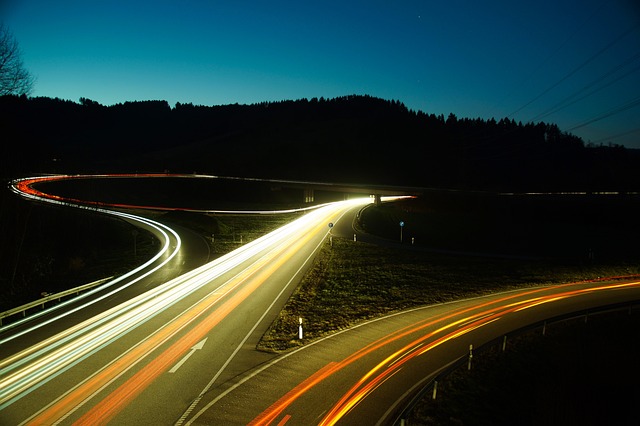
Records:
x=251, y=278
x=358, y=392
x=24, y=187
x=416, y=348
x=274, y=411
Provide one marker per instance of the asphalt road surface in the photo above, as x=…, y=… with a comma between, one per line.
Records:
x=183, y=351
x=147, y=359
x=365, y=375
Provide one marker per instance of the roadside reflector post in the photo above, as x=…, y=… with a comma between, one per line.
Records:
x=435, y=390
x=300, y=328
x=470, y=357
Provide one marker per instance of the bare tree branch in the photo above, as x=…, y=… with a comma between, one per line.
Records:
x=14, y=78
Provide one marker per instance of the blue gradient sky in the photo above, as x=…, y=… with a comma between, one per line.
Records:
x=488, y=59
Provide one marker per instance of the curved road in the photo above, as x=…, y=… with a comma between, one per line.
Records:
x=365, y=375
x=184, y=352
x=147, y=359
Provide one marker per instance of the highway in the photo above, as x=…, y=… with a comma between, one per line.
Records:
x=92, y=371
x=365, y=375
x=182, y=351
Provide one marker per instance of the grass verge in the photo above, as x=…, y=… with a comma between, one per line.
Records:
x=575, y=375
x=351, y=282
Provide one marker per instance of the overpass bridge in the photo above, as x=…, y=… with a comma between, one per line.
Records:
x=311, y=189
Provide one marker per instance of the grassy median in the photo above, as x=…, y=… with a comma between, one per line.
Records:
x=353, y=281
x=578, y=374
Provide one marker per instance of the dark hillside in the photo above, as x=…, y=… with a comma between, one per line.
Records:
x=353, y=139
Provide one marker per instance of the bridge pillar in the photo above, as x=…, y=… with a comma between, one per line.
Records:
x=308, y=196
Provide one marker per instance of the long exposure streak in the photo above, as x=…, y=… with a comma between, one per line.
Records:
x=496, y=309
x=37, y=365
x=108, y=389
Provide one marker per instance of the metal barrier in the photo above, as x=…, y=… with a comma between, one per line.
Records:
x=49, y=297
x=431, y=385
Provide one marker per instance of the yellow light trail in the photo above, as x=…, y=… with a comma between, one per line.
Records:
x=36, y=366
x=489, y=312
x=365, y=386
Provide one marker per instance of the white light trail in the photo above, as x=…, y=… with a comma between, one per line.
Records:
x=37, y=365
x=166, y=250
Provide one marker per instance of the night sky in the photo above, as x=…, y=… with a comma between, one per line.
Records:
x=571, y=62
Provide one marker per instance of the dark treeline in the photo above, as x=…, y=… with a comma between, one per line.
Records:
x=357, y=139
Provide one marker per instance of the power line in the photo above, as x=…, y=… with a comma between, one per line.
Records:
x=617, y=110
x=618, y=135
x=578, y=68
x=559, y=48
x=570, y=100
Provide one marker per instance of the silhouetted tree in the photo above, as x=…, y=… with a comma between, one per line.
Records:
x=14, y=78
x=346, y=139
x=88, y=102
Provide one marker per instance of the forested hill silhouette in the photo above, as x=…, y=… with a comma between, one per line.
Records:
x=351, y=139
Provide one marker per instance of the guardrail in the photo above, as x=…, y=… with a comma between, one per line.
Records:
x=49, y=297
x=431, y=384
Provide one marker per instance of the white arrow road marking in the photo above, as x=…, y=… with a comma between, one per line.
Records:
x=195, y=347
